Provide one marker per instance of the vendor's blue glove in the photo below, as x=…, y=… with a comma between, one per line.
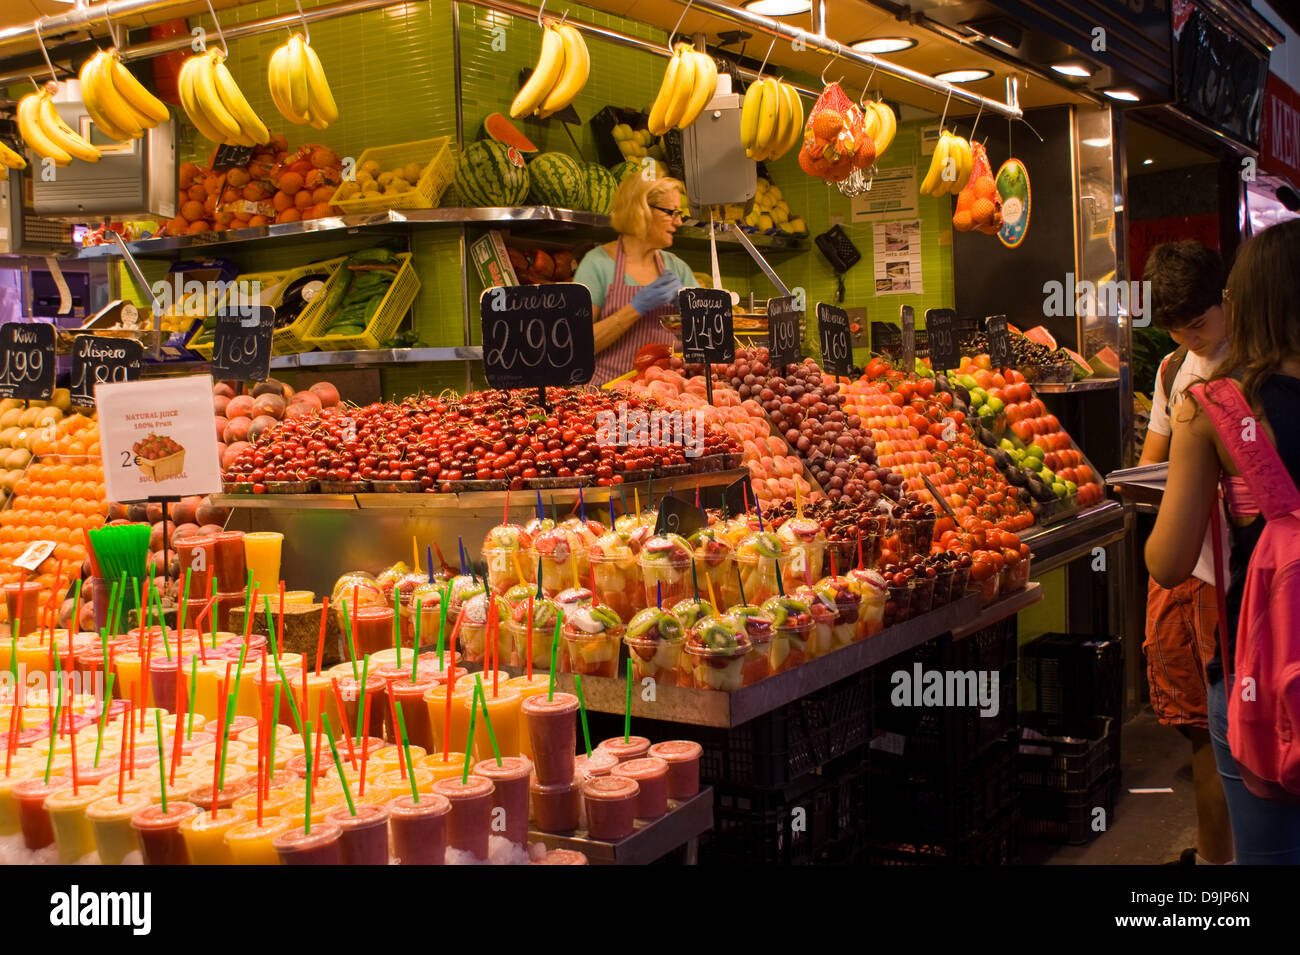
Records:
x=662, y=291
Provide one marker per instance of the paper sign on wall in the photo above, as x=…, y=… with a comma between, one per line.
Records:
x=156, y=438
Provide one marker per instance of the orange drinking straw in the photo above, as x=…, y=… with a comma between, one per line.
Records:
x=261, y=756
x=347, y=737
x=72, y=729
x=320, y=708
x=130, y=731
x=221, y=727
x=356, y=595
x=145, y=673
x=180, y=706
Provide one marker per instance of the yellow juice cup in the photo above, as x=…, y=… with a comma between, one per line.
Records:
x=296, y=811
x=319, y=691
x=110, y=821
x=539, y=683
x=503, y=708
x=273, y=803
x=439, y=768
x=20, y=768
x=72, y=832
x=129, y=667
x=394, y=781
x=205, y=837
x=250, y=844
x=390, y=757
x=262, y=557
x=435, y=698
x=208, y=678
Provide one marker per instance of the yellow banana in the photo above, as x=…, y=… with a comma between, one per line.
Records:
x=959, y=149
x=277, y=79
x=116, y=111
x=322, y=106
x=209, y=102
x=236, y=104
x=139, y=99
x=299, y=93
x=34, y=134
x=967, y=162
x=749, y=110
x=794, y=108
x=706, y=83
x=888, y=126
x=577, y=67
x=767, y=117
x=59, y=132
x=683, y=86
x=186, y=86
x=656, y=125
x=937, y=164
x=10, y=159
x=91, y=95
x=550, y=62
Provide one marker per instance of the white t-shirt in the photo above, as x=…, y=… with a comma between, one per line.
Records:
x=1194, y=369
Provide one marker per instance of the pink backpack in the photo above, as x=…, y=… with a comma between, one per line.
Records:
x=1264, y=693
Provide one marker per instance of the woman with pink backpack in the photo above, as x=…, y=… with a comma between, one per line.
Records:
x=1241, y=433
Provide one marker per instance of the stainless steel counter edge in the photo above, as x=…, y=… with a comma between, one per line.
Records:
x=652, y=840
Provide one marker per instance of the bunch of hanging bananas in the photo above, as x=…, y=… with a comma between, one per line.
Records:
x=117, y=103
x=881, y=125
x=949, y=167
x=9, y=160
x=298, y=85
x=771, y=119
x=561, y=73
x=213, y=102
x=47, y=134
x=689, y=84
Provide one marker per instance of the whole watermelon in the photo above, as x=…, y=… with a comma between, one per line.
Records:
x=624, y=169
x=601, y=186
x=557, y=179
x=485, y=176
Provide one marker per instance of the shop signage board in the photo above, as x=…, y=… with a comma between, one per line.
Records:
x=242, y=348
x=678, y=517
x=941, y=334
x=537, y=335
x=156, y=438
x=1219, y=74
x=708, y=330
x=783, y=337
x=97, y=359
x=27, y=360
x=999, y=338
x=1279, y=131
x=833, y=335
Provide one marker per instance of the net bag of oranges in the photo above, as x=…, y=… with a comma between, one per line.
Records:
x=835, y=141
x=979, y=207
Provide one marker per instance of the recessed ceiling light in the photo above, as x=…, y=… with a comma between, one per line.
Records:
x=1148, y=162
x=884, y=44
x=1124, y=96
x=963, y=76
x=778, y=8
x=1097, y=142
x=1072, y=69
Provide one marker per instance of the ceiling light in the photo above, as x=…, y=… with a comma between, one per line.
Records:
x=1072, y=69
x=884, y=44
x=963, y=76
x=1148, y=162
x=1097, y=142
x=778, y=8
x=1124, y=96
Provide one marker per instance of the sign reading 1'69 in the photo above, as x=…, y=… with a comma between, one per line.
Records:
x=537, y=335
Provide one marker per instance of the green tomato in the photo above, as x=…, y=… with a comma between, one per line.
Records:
x=978, y=396
x=995, y=403
x=1071, y=488
x=1036, y=451
x=1006, y=444
x=1058, y=488
x=1047, y=476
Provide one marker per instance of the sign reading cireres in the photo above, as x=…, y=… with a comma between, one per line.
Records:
x=537, y=335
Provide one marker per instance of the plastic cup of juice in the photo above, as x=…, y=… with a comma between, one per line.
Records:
x=633, y=747
x=322, y=846
x=392, y=757
x=435, y=700
x=277, y=799
x=556, y=807
x=397, y=781
x=611, y=804
x=198, y=554
x=538, y=683
x=683, y=759
x=364, y=839
x=375, y=694
x=419, y=829
x=205, y=837
x=262, y=557
x=159, y=832
x=599, y=763
x=372, y=631
x=33, y=817
x=651, y=775
x=321, y=804
x=110, y=822
x=72, y=832
x=470, y=822
x=553, y=729
x=440, y=768
x=251, y=844
x=415, y=713
x=30, y=597
x=231, y=569
x=503, y=707
x=510, y=777
x=22, y=767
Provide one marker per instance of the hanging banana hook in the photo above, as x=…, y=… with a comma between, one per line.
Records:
x=978, y=113
x=306, y=30
x=112, y=31
x=763, y=65
x=220, y=36
x=944, y=114
x=863, y=98
x=835, y=56
x=44, y=52
x=685, y=10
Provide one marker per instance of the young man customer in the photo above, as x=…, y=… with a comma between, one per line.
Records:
x=1187, y=300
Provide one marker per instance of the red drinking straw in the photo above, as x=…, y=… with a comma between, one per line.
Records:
x=529, y=662
x=22, y=589
x=451, y=643
x=72, y=729
x=347, y=737
x=446, y=726
x=495, y=626
x=320, y=641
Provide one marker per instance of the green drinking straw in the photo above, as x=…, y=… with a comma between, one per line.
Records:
x=212, y=613
x=469, y=744
x=230, y=716
x=185, y=602
x=695, y=580
x=49, y=760
x=270, y=629
x=157, y=596
x=162, y=763
x=627, y=710
x=487, y=720
x=361, y=707
x=406, y=750
x=442, y=622
x=103, y=718
x=780, y=585
x=338, y=763
x=741, y=584
x=121, y=599
x=310, y=773
x=397, y=628
x=555, y=648
x=13, y=652
x=415, y=653
x=347, y=629
x=582, y=711
x=293, y=706
x=194, y=686
x=248, y=595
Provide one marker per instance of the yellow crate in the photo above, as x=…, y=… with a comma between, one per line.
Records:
x=438, y=160
x=291, y=338
x=271, y=282
x=401, y=293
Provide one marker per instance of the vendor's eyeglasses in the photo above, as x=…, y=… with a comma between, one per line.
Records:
x=670, y=213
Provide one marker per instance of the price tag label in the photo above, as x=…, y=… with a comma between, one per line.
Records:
x=708, y=333
x=242, y=349
x=537, y=335
x=678, y=517
x=156, y=438
x=999, y=337
x=231, y=157
x=98, y=360
x=27, y=363
x=784, y=342
x=907, y=322
x=941, y=333
x=35, y=555
x=833, y=335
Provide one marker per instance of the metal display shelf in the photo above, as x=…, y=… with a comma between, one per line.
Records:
x=716, y=708
x=1070, y=387
x=1012, y=603
x=329, y=359
x=684, y=823
x=1061, y=543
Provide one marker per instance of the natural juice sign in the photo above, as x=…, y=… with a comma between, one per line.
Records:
x=156, y=438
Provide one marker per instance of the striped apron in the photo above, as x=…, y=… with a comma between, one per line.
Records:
x=616, y=360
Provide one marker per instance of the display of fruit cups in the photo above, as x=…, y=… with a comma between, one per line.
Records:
x=805, y=543
x=562, y=554
x=923, y=590
x=506, y=553
x=1015, y=575
x=592, y=635
x=758, y=561
x=463, y=586
x=792, y=624
x=915, y=530
x=691, y=611
x=757, y=625
x=712, y=561
x=666, y=569
x=475, y=626
x=716, y=649
x=871, y=587
x=586, y=531
x=617, y=574
x=428, y=598
x=654, y=644
x=514, y=627
x=636, y=529
x=898, y=602
x=839, y=593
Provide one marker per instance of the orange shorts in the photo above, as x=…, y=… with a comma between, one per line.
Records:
x=1179, y=640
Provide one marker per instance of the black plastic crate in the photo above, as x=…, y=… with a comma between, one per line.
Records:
x=1074, y=678
x=1068, y=817
x=997, y=844
x=788, y=826
x=993, y=648
x=1069, y=763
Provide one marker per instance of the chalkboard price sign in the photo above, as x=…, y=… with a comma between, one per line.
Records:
x=678, y=517
x=941, y=334
x=97, y=360
x=231, y=157
x=27, y=363
x=783, y=339
x=537, y=335
x=995, y=327
x=833, y=335
x=243, y=343
x=907, y=321
x=708, y=335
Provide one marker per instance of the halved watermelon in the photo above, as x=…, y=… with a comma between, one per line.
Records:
x=1041, y=335
x=498, y=127
x=1081, y=368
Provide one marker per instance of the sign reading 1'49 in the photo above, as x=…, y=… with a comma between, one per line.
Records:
x=538, y=335
x=708, y=331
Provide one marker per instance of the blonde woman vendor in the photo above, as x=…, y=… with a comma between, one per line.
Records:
x=634, y=280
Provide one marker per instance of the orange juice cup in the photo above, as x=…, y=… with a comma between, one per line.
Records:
x=20, y=768
x=503, y=708
x=205, y=837
x=30, y=599
x=197, y=553
x=435, y=700
x=396, y=781
x=440, y=768
x=262, y=557
x=273, y=802
x=419, y=829
x=373, y=630
x=251, y=844
x=72, y=832
x=393, y=757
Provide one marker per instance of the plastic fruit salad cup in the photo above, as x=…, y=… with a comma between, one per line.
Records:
x=593, y=635
x=756, y=624
x=666, y=569
x=717, y=649
x=654, y=643
x=792, y=623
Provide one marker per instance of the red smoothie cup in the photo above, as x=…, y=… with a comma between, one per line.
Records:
x=420, y=829
x=415, y=714
x=556, y=807
x=561, y=857
x=161, y=842
x=31, y=608
x=32, y=814
x=365, y=835
x=373, y=630
x=201, y=795
x=376, y=700
x=651, y=775
x=201, y=568
x=322, y=846
x=683, y=759
x=553, y=730
x=229, y=567
x=256, y=643
x=611, y=807
x=634, y=748
x=599, y=763
x=470, y=821
x=511, y=779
